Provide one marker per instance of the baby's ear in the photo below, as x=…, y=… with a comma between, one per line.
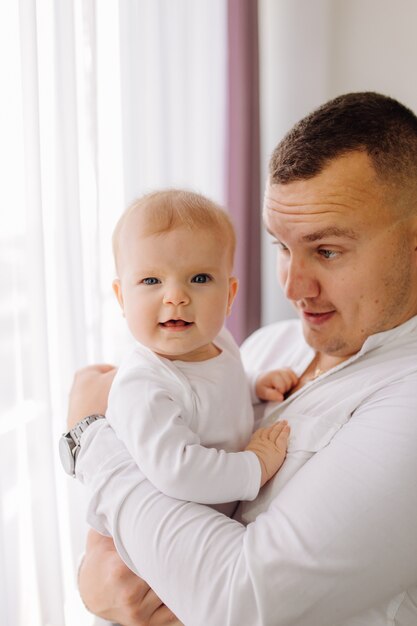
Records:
x=233, y=289
x=117, y=288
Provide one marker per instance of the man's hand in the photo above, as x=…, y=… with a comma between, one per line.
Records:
x=110, y=590
x=270, y=446
x=272, y=386
x=89, y=392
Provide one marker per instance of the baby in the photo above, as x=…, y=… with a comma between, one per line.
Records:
x=180, y=401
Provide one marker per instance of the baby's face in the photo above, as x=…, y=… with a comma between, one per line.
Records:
x=175, y=290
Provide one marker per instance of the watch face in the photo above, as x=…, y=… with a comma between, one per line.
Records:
x=67, y=458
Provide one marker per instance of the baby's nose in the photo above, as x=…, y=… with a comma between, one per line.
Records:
x=176, y=295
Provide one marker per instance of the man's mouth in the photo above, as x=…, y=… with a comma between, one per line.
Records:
x=317, y=318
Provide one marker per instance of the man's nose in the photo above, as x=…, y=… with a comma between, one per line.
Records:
x=299, y=281
x=176, y=295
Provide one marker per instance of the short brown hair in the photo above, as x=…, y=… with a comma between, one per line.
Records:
x=366, y=121
x=167, y=209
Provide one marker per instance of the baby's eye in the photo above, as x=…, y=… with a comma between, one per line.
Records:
x=151, y=280
x=201, y=278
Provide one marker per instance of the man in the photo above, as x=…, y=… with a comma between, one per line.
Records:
x=337, y=541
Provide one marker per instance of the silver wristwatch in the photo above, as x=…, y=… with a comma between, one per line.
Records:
x=69, y=443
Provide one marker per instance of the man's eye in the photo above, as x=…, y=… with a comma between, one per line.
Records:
x=328, y=254
x=201, y=278
x=150, y=281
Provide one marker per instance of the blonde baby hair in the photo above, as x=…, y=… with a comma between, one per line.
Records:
x=165, y=210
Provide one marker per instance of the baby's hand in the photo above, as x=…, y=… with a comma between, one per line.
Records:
x=270, y=446
x=274, y=385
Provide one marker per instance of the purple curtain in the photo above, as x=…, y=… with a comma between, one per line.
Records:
x=243, y=161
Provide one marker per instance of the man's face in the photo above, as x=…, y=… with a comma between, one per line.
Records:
x=347, y=259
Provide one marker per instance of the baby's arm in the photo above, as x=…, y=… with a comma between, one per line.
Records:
x=272, y=386
x=149, y=416
x=270, y=446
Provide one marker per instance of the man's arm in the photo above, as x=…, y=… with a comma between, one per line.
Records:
x=340, y=538
x=107, y=586
x=112, y=591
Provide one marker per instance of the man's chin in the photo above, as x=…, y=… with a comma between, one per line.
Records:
x=322, y=342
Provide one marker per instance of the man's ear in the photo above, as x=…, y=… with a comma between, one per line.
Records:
x=233, y=289
x=117, y=288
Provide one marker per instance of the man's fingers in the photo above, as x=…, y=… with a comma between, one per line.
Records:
x=164, y=617
x=96, y=539
x=105, y=367
x=89, y=392
x=96, y=368
x=150, y=603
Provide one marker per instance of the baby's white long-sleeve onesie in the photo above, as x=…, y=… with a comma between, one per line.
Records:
x=185, y=423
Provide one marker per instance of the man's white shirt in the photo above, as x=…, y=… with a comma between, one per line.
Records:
x=335, y=537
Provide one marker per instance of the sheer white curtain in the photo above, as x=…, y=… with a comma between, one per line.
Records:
x=175, y=97
x=101, y=102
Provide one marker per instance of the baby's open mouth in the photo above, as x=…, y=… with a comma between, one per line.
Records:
x=175, y=323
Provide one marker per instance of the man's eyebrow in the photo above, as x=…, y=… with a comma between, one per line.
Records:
x=330, y=231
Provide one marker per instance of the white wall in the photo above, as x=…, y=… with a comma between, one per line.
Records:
x=375, y=48
x=314, y=50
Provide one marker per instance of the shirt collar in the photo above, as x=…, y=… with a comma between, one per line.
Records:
x=403, y=331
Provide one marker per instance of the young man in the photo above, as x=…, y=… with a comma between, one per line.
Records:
x=337, y=539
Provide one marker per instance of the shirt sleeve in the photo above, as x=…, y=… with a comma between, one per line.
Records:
x=339, y=539
x=149, y=419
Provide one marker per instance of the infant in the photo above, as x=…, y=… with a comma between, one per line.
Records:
x=180, y=401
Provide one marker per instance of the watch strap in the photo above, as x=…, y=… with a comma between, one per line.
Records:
x=69, y=443
x=76, y=432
